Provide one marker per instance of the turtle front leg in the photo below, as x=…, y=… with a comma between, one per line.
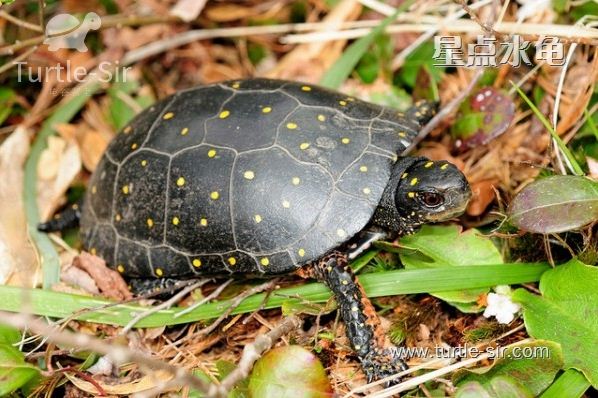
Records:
x=362, y=323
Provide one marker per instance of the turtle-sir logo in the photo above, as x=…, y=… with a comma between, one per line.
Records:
x=66, y=31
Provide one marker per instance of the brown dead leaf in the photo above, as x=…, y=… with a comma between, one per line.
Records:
x=110, y=282
x=93, y=144
x=18, y=260
x=228, y=12
x=147, y=382
x=59, y=164
x=483, y=195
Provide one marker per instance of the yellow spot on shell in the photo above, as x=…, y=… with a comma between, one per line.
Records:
x=249, y=175
x=196, y=262
x=413, y=181
x=224, y=114
x=257, y=218
x=176, y=221
x=296, y=180
x=150, y=222
x=367, y=191
x=211, y=153
x=304, y=146
x=126, y=189
x=301, y=252
x=232, y=260
x=118, y=217
x=203, y=222
x=185, y=131
x=429, y=164
x=321, y=118
x=444, y=166
x=411, y=194
x=363, y=169
x=266, y=109
x=291, y=126
x=133, y=146
x=357, y=347
x=94, y=189
x=214, y=195
x=346, y=140
x=402, y=134
x=264, y=261
x=168, y=115
x=354, y=308
x=345, y=282
x=404, y=175
x=341, y=233
x=93, y=251
x=144, y=163
x=180, y=181
x=305, y=88
x=120, y=268
x=236, y=85
x=286, y=204
x=127, y=129
x=159, y=272
x=342, y=103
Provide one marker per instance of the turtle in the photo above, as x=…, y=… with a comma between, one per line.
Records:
x=66, y=31
x=262, y=177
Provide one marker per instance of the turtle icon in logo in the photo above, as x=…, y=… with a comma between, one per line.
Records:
x=66, y=31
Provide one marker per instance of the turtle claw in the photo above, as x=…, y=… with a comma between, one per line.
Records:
x=379, y=364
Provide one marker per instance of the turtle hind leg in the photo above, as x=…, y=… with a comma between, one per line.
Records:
x=422, y=111
x=67, y=218
x=363, y=326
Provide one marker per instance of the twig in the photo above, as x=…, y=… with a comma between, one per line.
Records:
x=116, y=353
x=20, y=22
x=7, y=66
x=234, y=304
x=204, y=300
x=251, y=353
x=446, y=110
x=166, y=304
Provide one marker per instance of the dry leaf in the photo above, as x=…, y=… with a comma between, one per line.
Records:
x=145, y=383
x=18, y=260
x=110, y=282
x=59, y=164
x=483, y=195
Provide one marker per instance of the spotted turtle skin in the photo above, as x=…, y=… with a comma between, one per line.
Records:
x=252, y=177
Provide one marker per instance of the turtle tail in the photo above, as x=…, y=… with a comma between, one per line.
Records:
x=422, y=111
x=67, y=218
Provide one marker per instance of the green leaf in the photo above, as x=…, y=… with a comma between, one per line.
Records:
x=446, y=246
x=7, y=100
x=566, y=313
x=9, y=335
x=514, y=374
x=14, y=371
x=571, y=384
x=343, y=67
x=93, y=309
x=555, y=204
x=421, y=57
x=289, y=372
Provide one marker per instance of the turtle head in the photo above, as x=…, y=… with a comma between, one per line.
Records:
x=92, y=20
x=422, y=191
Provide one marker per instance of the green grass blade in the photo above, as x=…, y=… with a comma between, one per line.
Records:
x=571, y=384
x=61, y=305
x=566, y=152
x=591, y=123
x=47, y=254
x=343, y=67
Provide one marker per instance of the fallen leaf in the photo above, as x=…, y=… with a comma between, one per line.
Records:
x=18, y=260
x=110, y=282
x=59, y=164
x=482, y=195
x=147, y=382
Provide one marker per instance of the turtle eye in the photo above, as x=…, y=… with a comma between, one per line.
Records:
x=432, y=199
